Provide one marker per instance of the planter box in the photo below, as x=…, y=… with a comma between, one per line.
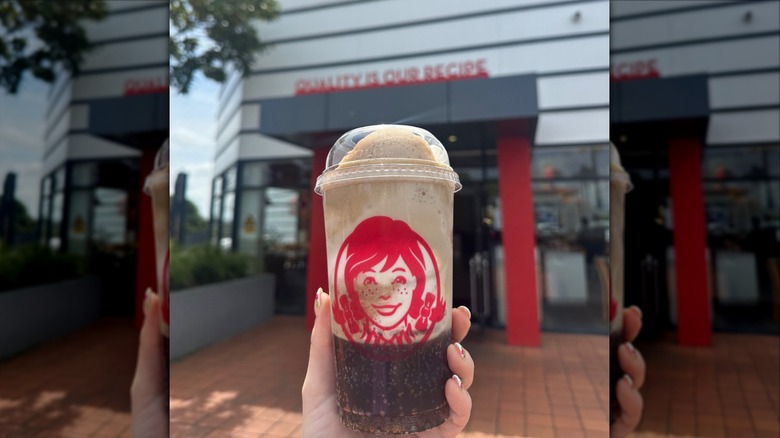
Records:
x=203, y=315
x=38, y=314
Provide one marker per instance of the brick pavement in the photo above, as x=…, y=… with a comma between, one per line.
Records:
x=74, y=387
x=249, y=386
x=729, y=390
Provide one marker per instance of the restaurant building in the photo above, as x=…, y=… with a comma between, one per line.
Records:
x=518, y=92
x=103, y=129
x=696, y=117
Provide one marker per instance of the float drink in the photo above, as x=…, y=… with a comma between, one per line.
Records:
x=388, y=199
x=619, y=185
x=157, y=186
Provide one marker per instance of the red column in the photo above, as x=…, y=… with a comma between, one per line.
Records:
x=693, y=318
x=317, y=263
x=519, y=239
x=145, y=269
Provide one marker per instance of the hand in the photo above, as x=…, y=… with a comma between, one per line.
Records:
x=320, y=411
x=147, y=395
x=627, y=389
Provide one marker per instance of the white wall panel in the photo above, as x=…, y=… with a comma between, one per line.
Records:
x=744, y=127
x=113, y=84
x=717, y=57
x=233, y=101
x=58, y=130
x=149, y=21
x=257, y=146
x=83, y=146
x=551, y=56
x=719, y=22
x=130, y=53
x=621, y=8
x=79, y=117
x=250, y=116
x=439, y=36
x=565, y=127
x=368, y=15
x=227, y=157
x=55, y=158
x=55, y=108
x=573, y=90
x=744, y=90
x=229, y=131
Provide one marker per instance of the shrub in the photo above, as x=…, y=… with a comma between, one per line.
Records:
x=32, y=265
x=195, y=266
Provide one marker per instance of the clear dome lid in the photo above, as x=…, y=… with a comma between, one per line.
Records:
x=386, y=151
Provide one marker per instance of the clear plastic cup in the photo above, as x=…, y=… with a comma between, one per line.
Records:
x=619, y=185
x=157, y=186
x=388, y=203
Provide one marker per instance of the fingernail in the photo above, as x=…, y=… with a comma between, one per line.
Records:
x=147, y=300
x=632, y=350
x=638, y=310
x=462, y=351
x=457, y=379
x=317, y=301
x=467, y=311
x=629, y=380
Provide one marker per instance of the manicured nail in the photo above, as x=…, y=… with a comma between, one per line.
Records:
x=317, y=300
x=462, y=351
x=457, y=379
x=629, y=380
x=632, y=350
x=638, y=310
x=467, y=311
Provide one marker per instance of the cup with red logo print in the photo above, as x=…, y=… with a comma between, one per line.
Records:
x=620, y=184
x=388, y=203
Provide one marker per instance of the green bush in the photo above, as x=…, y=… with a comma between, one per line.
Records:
x=195, y=266
x=33, y=265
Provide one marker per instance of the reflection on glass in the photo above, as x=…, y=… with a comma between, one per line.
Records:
x=110, y=218
x=226, y=234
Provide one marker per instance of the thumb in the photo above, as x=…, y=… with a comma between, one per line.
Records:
x=321, y=375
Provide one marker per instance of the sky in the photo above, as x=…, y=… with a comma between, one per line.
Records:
x=193, y=121
x=22, y=118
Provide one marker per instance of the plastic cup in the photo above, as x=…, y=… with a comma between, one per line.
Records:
x=388, y=204
x=619, y=185
x=157, y=186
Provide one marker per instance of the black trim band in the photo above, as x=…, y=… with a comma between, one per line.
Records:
x=745, y=72
x=160, y=5
x=572, y=108
x=721, y=39
x=128, y=39
x=427, y=21
x=741, y=109
x=98, y=71
x=520, y=42
x=682, y=10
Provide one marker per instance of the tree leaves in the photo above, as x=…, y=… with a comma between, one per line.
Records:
x=214, y=36
x=39, y=36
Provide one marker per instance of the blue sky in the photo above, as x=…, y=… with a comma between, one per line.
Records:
x=22, y=119
x=193, y=121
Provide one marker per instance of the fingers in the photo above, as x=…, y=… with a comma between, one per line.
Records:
x=460, y=409
x=461, y=363
x=631, y=408
x=321, y=374
x=148, y=380
x=632, y=363
x=632, y=323
x=461, y=323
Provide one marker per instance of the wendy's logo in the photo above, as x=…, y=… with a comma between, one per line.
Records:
x=387, y=287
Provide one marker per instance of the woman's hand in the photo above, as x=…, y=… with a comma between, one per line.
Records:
x=320, y=411
x=147, y=395
x=633, y=365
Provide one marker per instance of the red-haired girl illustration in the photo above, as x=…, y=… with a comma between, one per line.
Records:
x=393, y=292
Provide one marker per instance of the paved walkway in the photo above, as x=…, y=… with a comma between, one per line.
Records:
x=729, y=390
x=74, y=387
x=250, y=385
